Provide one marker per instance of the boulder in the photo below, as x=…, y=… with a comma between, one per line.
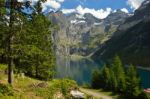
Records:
x=75, y=94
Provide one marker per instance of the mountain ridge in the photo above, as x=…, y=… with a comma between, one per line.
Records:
x=79, y=34
x=130, y=41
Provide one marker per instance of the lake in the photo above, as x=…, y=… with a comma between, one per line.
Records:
x=81, y=70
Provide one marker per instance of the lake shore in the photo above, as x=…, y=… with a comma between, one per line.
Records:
x=140, y=67
x=143, y=68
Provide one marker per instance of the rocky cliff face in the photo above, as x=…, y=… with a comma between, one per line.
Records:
x=82, y=34
x=131, y=40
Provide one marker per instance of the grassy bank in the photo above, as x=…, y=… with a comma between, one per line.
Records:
x=30, y=88
x=98, y=93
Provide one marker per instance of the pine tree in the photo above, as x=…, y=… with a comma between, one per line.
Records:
x=133, y=82
x=113, y=81
x=33, y=46
x=40, y=48
x=10, y=41
x=106, y=77
x=27, y=39
x=96, y=82
x=119, y=74
x=3, y=31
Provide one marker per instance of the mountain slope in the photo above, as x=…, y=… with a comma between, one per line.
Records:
x=131, y=40
x=82, y=34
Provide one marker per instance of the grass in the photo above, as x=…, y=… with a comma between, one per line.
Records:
x=98, y=93
x=107, y=93
x=26, y=88
x=30, y=88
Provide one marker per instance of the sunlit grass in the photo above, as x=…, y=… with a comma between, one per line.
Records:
x=28, y=88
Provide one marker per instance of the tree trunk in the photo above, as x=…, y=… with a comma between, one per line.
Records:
x=10, y=71
x=10, y=49
x=36, y=70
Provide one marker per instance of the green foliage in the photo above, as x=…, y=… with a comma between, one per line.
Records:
x=119, y=74
x=144, y=95
x=133, y=82
x=6, y=90
x=118, y=79
x=3, y=67
x=113, y=81
x=26, y=41
x=58, y=86
x=37, y=51
x=26, y=88
x=2, y=8
x=96, y=83
x=106, y=77
x=130, y=50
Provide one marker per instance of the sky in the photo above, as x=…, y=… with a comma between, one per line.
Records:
x=99, y=8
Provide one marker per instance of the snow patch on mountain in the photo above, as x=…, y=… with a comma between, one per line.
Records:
x=77, y=21
x=80, y=16
x=97, y=23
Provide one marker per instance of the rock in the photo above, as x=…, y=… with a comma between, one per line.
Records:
x=75, y=94
x=76, y=32
x=39, y=85
x=22, y=75
x=33, y=85
x=42, y=85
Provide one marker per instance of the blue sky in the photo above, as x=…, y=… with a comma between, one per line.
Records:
x=96, y=4
x=99, y=8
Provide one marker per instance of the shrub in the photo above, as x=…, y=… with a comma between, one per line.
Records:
x=65, y=85
x=144, y=95
x=61, y=86
x=6, y=90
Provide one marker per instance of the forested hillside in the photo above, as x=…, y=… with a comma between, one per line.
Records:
x=131, y=40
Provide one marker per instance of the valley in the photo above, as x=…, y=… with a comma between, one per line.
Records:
x=74, y=49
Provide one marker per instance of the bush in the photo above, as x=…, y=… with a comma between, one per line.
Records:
x=96, y=81
x=65, y=85
x=3, y=67
x=144, y=95
x=6, y=90
x=62, y=86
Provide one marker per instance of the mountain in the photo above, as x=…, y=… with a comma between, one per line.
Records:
x=131, y=40
x=82, y=34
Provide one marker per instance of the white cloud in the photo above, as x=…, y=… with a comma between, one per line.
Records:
x=124, y=10
x=67, y=11
x=134, y=4
x=101, y=13
x=54, y=4
x=97, y=13
x=51, y=3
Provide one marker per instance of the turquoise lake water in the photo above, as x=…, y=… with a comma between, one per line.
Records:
x=81, y=71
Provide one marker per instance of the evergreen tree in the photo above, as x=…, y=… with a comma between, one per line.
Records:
x=119, y=74
x=10, y=41
x=113, y=81
x=114, y=78
x=96, y=82
x=106, y=77
x=3, y=31
x=26, y=40
x=35, y=46
x=133, y=82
